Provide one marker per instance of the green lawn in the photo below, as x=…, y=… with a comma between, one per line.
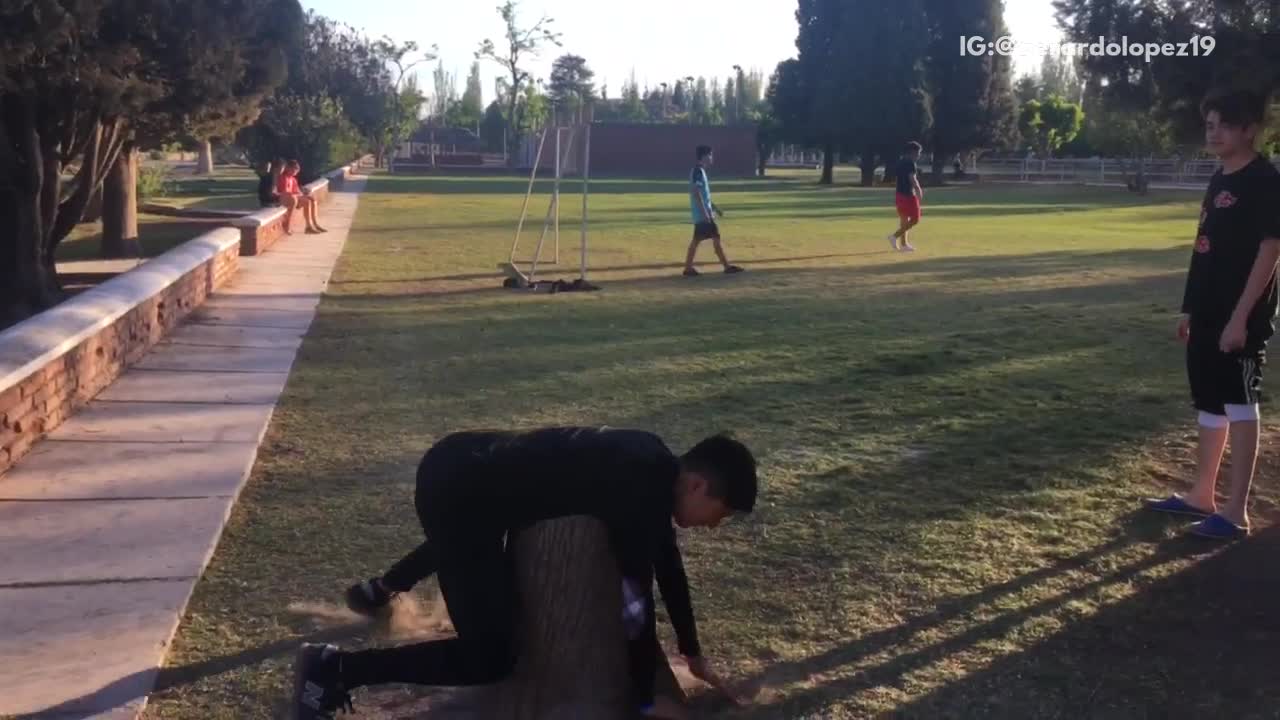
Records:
x=229, y=188
x=158, y=234
x=953, y=443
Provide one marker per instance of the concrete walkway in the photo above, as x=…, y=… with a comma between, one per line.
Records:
x=107, y=525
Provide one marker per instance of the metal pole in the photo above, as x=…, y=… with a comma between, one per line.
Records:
x=556, y=195
x=586, y=193
x=524, y=212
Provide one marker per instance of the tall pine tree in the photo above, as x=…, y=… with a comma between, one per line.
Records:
x=972, y=100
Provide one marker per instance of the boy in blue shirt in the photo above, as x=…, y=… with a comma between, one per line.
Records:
x=704, y=224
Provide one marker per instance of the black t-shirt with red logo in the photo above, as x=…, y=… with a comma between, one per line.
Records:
x=1240, y=210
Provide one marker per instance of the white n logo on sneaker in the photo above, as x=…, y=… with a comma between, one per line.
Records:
x=311, y=695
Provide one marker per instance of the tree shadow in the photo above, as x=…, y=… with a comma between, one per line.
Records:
x=141, y=684
x=1199, y=643
x=516, y=185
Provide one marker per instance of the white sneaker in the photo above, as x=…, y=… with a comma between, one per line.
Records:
x=893, y=241
x=908, y=248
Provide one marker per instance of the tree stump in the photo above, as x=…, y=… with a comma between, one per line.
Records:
x=572, y=653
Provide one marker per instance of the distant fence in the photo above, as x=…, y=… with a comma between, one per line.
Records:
x=1103, y=171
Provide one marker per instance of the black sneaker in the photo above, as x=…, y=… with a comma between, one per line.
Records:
x=317, y=690
x=732, y=269
x=690, y=272
x=368, y=598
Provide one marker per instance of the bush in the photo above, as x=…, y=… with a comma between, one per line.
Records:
x=312, y=130
x=157, y=155
x=152, y=182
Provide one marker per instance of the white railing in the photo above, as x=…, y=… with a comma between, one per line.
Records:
x=1105, y=171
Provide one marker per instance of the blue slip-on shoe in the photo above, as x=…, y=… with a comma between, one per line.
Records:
x=1216, y=527
x=1175, y=505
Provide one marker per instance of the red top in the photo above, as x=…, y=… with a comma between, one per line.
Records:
x=288, y=185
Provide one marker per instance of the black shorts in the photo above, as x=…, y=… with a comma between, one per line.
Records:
x=1219, y=379
x=706, y=231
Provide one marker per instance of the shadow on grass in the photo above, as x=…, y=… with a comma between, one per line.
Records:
x=1158, y=286
x=1201, y=643
x=974, y=698
x=141, y=684
x=602, y=268
x=426, y=185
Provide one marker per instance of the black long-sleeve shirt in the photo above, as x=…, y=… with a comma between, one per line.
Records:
x=626, y=478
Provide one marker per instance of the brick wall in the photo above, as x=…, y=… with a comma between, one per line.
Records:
x=626, y=150
x=67, y=378
x=262, y=229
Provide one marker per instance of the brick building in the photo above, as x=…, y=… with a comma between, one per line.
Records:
x=668, y=150
x=652, y=150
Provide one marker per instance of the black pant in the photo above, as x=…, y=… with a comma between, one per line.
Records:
x=470, y=558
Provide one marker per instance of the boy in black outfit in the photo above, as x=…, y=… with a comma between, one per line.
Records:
x=1229, y=310
x=474, y=487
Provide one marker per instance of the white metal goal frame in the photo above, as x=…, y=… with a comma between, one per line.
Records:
x=565, y=137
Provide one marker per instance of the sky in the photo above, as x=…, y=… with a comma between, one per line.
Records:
x=661, y=40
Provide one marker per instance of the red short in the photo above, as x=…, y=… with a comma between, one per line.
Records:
x=908, y=206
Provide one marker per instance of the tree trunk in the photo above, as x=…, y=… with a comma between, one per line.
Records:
x=939, y=166
x=93, y=213
x=120, y=208
x=828, y=165
x=571, y=644
x=27, y=285
x=867, y=163
x=204, y=165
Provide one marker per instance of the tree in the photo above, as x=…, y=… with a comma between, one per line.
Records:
x=446, y=91
x=884, y=69
x=1242, y=36
x=493, y=129
x=1059, y=76
x=700, y=103
x=654, y=104
x=77, y=83
x=572, y=87
x=790, y=102
x=731, y=111
x=472, y=107
x=680, y=98
x=633, y=108
x=716, y=115
x=521, y=45
x=1026, y=90
x=971, y=101
x=1048, y=125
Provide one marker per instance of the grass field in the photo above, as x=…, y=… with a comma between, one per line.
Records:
x=953, y=443
x=229, y=188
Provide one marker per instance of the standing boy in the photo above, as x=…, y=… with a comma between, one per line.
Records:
x=475, y=487
x=704, y=224
x=1229, y=309
x=908, y=196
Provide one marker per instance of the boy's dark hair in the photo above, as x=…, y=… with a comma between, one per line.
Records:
x=1235, y=107
x=913, y=146
x=703, y=152
x=729, y=467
